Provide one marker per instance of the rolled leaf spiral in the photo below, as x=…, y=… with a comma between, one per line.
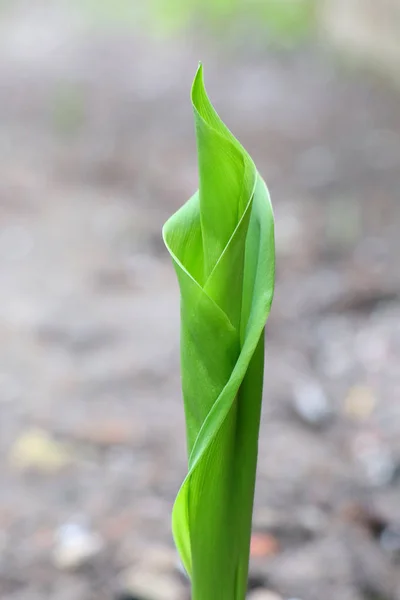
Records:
x=222, y=245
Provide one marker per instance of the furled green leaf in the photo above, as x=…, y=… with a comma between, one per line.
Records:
x=222, y=245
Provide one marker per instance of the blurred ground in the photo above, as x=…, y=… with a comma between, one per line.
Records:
x=97, y=150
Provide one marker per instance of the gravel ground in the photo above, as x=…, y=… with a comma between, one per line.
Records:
x=97, y=149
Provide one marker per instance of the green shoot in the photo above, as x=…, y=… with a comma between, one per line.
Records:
x=222, y=245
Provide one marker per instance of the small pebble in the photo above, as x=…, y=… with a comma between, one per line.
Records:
x=145, y=584
x=359, y=402
x=35, y=449
x=372, y=350
x=311, y=404
x=75, y=546
x=390, y=540
x=263, y=544
x=375, y=459
x=260, y=594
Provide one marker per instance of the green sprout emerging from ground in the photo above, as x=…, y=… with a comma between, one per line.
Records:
x=222, y=245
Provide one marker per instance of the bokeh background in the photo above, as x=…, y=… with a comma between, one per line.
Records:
x=96, y=150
